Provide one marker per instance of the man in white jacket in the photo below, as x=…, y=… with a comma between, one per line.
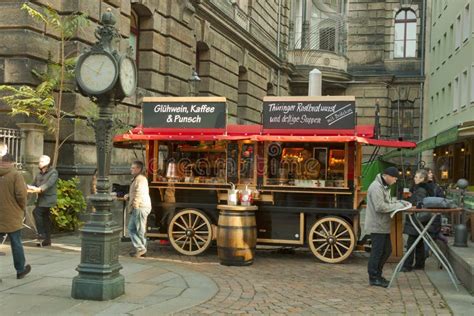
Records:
x=377, y=223
x=139, y=206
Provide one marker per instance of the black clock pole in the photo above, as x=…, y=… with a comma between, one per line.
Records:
x=99, y=277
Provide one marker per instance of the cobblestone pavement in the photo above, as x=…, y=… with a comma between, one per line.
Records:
x=296, y=283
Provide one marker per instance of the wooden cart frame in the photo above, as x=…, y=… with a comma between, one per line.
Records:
x=329, y=224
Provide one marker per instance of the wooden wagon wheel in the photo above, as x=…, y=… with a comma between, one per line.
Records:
x=190, y=232
x=331, y=239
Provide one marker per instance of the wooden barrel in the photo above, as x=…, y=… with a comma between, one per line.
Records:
x=236, y=237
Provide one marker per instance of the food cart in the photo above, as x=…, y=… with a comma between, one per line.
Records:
x=303, y=165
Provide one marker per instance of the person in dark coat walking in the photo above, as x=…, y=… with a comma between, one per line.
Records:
x=45, y=185
x=420, y=190
x=12, y=211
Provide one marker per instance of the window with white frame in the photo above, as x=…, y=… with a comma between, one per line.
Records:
x=466, y=24
x=457, y=43
x=464, y=88
x=405, y=34
x=456, y=94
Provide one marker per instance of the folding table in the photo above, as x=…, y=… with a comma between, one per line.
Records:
x=425, y=236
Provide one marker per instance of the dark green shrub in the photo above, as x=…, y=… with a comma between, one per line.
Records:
x=71, y=202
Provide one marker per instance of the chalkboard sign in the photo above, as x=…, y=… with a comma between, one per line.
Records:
x=332, y=112
x=183, y=112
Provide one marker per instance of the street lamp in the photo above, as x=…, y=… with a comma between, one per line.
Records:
x=194, y=83
x=105, y=76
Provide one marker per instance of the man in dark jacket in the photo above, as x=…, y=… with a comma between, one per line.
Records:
x=12, y=212
x=377, y=223
x=45, y=185
x=420, y=190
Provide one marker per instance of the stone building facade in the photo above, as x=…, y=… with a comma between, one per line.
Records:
x=386, y=49
x=370, y=49
x=237, y=48
x=241, y=49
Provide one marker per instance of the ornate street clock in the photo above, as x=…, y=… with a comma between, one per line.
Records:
x=97, y=72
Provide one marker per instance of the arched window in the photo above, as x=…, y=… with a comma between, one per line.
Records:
x=405, y=34
x=134, y=34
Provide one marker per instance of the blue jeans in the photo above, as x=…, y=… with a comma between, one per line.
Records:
x=17, y=251
x=137, y=227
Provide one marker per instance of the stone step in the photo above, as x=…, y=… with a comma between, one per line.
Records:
x=462, y=260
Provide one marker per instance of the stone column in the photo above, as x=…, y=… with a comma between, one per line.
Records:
x=32, y=145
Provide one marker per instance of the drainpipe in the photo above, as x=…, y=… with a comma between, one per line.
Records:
x=278, y=46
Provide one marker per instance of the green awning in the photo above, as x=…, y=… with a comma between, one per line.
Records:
x=445, y=137
x=448, y=136
x=425, y=144
x=397, y=153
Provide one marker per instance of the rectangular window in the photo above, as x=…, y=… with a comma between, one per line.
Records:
x=456, y=94
x=449, y=98
x=440, y=54
x=464, y=88
x=466, y=24
x=458, y=32
x=472, y=83
x=432, y=109
x=442, y=101
x=438, y=104
x=445, y=47
x=451, y=40
x=404, y=115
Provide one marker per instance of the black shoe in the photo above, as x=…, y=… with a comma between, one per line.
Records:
x=43, y=243
x=419, y=267
x=379, y=282
x=406, y=269
x=27, y=270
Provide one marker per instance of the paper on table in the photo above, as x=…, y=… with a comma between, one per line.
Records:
x=406, y=206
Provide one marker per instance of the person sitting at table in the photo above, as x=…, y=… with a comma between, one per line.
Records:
x=420, y=190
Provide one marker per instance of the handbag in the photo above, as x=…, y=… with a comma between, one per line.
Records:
x=438, y=202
